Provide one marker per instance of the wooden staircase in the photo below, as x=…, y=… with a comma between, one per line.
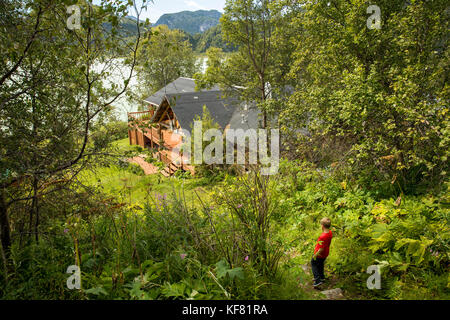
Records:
x=170, y=169
x=172, y=165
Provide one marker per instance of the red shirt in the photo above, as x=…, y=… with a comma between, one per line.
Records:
x=324, y=242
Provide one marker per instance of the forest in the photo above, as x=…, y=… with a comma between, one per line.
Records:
x=358, y=91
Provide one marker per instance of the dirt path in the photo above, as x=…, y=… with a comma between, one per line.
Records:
x=326, y=291
x=147, y=167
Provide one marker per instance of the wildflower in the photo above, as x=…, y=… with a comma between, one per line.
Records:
x=66, y=230
x=183, y=255
x=239, y=205
x=246, y=258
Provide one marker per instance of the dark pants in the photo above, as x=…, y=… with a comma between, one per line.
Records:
x=317, y=266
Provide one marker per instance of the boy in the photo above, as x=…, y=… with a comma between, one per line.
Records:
x=321, y=252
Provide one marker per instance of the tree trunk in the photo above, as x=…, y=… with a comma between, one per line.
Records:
x=5, y=230
x=264, y=96
x=35, y=210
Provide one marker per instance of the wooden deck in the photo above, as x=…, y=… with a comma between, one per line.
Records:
x=157, y=133
x=155, y=136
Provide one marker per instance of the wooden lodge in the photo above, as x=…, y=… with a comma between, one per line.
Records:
x=175, y=107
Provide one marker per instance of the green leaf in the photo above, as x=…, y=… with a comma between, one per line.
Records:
x=236, y=273
x=174, y=290
x=221, y=268
x=97, y=291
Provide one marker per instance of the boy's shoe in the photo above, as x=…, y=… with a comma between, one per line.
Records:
x=316, y=284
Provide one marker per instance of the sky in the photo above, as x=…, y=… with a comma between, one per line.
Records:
x=160, y=7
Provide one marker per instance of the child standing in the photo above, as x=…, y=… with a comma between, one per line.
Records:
x=321, y=252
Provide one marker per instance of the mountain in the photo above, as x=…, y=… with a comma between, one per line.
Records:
x=191, y=21
x=127, y=27
x=133, y=18
x=201, y=28
x=211, y=38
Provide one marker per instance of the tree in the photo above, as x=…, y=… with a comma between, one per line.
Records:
x=384, y=91
x=53, y=88
x=205, y=147
x=163, y=56
x=248, y=24
x=257, y=72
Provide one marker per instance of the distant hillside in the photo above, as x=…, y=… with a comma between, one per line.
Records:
x=211, y=38
x=191, y=21
x=127, y=27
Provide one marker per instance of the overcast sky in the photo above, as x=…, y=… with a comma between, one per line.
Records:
x=160, y=7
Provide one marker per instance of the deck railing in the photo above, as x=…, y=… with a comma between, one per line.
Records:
x=154, y=134
x=140, y=115
x=157, y=133
x=164, y=157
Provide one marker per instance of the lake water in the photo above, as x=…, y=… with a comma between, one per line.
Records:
x=121, y=72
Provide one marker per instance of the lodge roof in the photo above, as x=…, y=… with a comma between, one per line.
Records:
x=179, y=86
x=187, y=104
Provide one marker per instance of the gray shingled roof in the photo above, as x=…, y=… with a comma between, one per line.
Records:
x=181, y=85
x=246, y=116
x=187, y=104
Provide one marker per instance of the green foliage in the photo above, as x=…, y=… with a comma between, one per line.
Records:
x=223, y=270
x=210, y=171
x=257, y=70
x=175, y=248
x=382, y=91
x=163, y=56
x=214, y=57
x=368, y=107
x=407, y=237
x=53, y=93
x=126, y=28
x=212, y=38
x=111, y=131
x=136, y=169
x=251, y=202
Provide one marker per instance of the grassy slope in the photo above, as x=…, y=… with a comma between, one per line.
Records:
x=128, y=187
x=134, y=188
x=299, y=228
